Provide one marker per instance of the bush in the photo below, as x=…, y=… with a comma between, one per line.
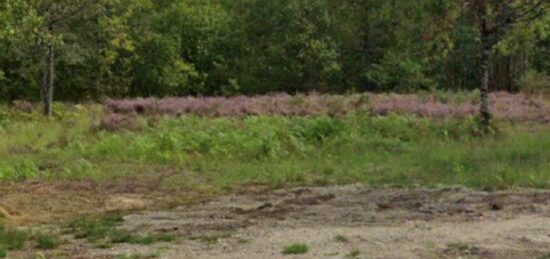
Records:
x=296, y=249
x=12, y=238
x=534, y=82
x=47, y=241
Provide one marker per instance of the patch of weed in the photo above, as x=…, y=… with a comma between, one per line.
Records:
x=354, y=254
x=146, y=239
x=341, y=239
x=12, y=238
x=296, y=249
x=47, y=241
x=121, y=236
x=165, y=238
x=107, y=227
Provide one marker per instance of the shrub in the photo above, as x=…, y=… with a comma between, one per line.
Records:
x=47, y=241
x=534, y=82
x=116, y=121
x=515, y=107
x=12, y=238
x=22, y=106
x=296, y=249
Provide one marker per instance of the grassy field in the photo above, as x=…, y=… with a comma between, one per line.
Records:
x=68, y=169
x=200, y=152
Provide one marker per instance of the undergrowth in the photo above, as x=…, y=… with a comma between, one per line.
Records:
x=273, y=150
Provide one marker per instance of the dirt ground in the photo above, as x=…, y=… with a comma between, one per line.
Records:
x=347, y=222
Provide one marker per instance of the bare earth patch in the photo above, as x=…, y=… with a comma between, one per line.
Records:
x=347, y=222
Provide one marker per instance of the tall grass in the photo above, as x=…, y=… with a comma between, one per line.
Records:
x=275, y=150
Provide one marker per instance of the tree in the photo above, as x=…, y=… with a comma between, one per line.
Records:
x=54, y=13
x=84, y=39
x=17, y=36
x=494, y=18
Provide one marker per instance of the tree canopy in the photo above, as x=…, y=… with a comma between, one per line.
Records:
x=226, y=47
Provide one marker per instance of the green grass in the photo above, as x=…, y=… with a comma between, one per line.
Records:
x=12, y=238
x=47, y=241
x=296, y=249
x=105, y=230
x=341, y=239
x=95, y=228
x=218, y=153
x=353, y=254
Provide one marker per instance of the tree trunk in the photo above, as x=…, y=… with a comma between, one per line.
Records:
x=485, y=113
x=47, y=86
x=51, y=78
x=44, y=83
x=486, y=49
x=48, y=78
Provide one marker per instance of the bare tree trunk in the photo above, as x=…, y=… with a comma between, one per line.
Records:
x=47, y=86
x=44, y=83
x=51, y=78
x=486, y=48
x=485, y=113
x=48, y=78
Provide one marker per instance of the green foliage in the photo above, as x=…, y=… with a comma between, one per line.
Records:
x=340, y=239
x=535, y=82
x=296, y=249
x=274, y=150
x=163, y=48
x=47, y=241
x=94, y=228
x=106, y=229
x=12, y=238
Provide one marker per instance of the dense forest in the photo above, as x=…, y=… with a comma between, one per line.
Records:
x=113, y=48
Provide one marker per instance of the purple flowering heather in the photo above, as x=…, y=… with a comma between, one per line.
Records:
x=507, y=106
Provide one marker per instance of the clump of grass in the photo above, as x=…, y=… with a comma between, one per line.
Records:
x=165, y=238
x=296, y=249
x=121, y=236
x=146, y=239
x=3, y=253
x=47, y=241
x=95, y=228
x=106, y=230
x=12, y=238
x=354, y=254
x=341, y=239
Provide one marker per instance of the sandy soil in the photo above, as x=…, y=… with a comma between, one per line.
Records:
x=349, y=222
